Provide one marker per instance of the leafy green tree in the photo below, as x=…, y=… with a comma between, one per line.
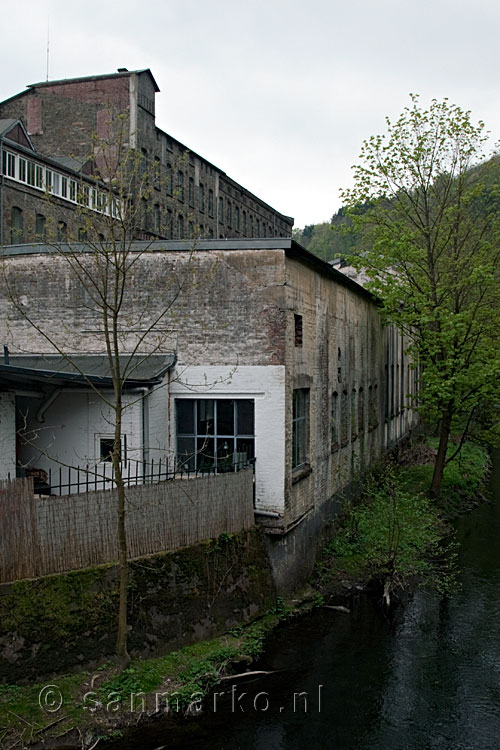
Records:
x=430, y=245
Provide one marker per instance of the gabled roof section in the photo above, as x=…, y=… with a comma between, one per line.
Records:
x=121, y=73
x=14, y=130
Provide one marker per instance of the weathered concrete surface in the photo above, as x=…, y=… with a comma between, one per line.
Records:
x=68, y=621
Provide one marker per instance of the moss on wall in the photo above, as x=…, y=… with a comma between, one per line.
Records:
x=59, y=622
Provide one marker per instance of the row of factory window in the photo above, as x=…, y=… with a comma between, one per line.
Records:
x=163, y=224
x=348, y=417
x=227, y=213
x=47, y=180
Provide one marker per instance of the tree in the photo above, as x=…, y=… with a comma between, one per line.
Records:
x=114, y=205
x=430, y=245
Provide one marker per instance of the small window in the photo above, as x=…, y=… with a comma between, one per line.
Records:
x=210, y=202
x=191, y=191
x=156, y=175
x=201, y=197
x=300, y=427
x=157, y=218
x=180, y=227
x=298, y=329
x=361, y=410
x=221, y=210
x=180, y=185
x=106, y=449
x=169, y=180
x=62, y=231
x=16, y=225
x=344, y=419
x=237, y=218
x=40, y=227
x=244, y=222
x=334, y=422
x=229, y=218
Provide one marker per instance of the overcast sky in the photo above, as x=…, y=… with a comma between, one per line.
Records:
x=278, y=93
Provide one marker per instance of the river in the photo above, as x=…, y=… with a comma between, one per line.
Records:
x=429, y=679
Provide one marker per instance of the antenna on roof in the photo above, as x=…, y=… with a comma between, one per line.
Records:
x=48, y=39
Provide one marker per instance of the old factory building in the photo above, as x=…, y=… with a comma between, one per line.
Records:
x=241, y=346
x=47, y=139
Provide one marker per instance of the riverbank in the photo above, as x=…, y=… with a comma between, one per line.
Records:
x=76, y=710
x=394, y=537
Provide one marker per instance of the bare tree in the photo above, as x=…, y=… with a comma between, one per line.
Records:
x=103, y=259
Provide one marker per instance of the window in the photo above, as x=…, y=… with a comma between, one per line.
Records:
x=180, y=227
x=169, y=179
x=180, y=185
x=201, y=197
x=244, y=222
x=156, y=218
x=156, y=175
x=334, y=422
x=16, y=225
x=191, y=191
x=221, y=210
x=106, y=448
x=237, y=218
x=210, y=202
x=354, y=422
x=40, y=227
x=298, y=329
x=170, y=228
x=300, y=427
x=8, y=164
x=344, y=419
x=361, y=410
x=214, y=434
x=229, y=217
x=62, y=231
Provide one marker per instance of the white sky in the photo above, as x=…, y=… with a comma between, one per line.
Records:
x=278, y=93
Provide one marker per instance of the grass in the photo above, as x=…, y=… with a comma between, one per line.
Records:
x=104, y=702
x=394, y=535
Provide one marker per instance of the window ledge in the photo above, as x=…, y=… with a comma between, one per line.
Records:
x=300, y=473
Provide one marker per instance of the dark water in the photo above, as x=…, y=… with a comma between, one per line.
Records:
x=430, y=679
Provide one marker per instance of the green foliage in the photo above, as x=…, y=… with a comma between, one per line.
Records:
x=432, y=252
x=393, y=536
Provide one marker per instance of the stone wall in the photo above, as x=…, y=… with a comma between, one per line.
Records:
x=68, y=621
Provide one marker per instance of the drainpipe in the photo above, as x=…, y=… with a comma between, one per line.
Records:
x=144, y=391
x=40, y=415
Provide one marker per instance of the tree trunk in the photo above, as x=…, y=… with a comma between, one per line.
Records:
x=122, y=654
x=444, y=434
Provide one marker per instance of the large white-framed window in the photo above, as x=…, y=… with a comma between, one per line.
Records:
x=214, y=434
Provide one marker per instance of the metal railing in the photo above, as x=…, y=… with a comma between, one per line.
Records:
x=67, y=480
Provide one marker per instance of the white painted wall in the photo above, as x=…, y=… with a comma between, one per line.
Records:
x=7, y=435
x=72, y=426
x=264, y=384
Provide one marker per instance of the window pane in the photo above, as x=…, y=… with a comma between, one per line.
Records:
x=225, y=417
x=186, y=454
x=205, y=425
x=225, y=451
x=205, y=454
x=245, y=447
x=245, y=417
x=185, y=416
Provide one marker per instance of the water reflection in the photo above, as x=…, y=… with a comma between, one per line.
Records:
x=429, y=680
